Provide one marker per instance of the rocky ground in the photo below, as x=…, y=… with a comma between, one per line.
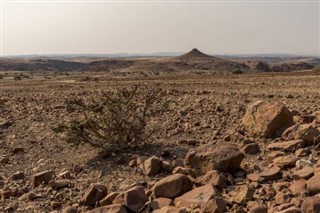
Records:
x=233, y=143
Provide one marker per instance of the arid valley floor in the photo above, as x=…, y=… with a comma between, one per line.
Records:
x=209, y=109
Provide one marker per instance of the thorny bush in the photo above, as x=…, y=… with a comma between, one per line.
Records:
x=114, y=121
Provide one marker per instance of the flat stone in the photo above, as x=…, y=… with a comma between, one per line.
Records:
x=290, y=146
x=272, y=173
x=305, y=173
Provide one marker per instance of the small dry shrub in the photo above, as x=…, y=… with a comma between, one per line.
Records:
x=317, y=69
x=114, y=121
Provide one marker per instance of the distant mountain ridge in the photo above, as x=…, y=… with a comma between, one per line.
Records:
x=193, y=60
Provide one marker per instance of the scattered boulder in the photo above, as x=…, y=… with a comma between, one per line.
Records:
x=313, y=184
x=115, y=208
x=240, y=194
x=151, y=166
x=134, y=198
x=172, y=186
x=222, y=156
x=285, y=162
x=251, y=149
x=266, y=119
x=214, y=177
x=196, y=197
x=299, y=187
x=108, y=199
x=42, y=177
x=272, y=173
x=282, y=198
x=311, y=204
x=307, y=133
x=94, y=193
x=216, y=205
x=304, y=173
x=160, y=202
x=290, y=146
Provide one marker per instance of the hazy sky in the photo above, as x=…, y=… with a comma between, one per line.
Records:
x=147, y=27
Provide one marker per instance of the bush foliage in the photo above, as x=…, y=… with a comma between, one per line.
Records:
x=114, y=121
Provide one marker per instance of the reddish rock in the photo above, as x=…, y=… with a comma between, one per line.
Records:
x=311, y=205
x=241, y=193
x=179, y=170
x=167, y=166
x=259, y=209
x=285, y=162
x=287, y=145
x=168, y=209
x=282, y=198
x=313, y=184
x=217, y=205
x=316, y=168
x=160, y=202
x=288, y=134
x=272, y=173
x=94, y=193
x=197, y=196
x=115, y=208
x=251, y=149
x=134, y=198
x=222, y=156
x=213, y=177
x=305, y=173
x=274, y=155
x=299, y=187
x=107, y=200
x=42, y=177
x=151, y=166
x=307, y=133
x=292, y=209
x=254, y=177
x=58, y=184
x=265, y=119
x=69, y=209
x=172, y=186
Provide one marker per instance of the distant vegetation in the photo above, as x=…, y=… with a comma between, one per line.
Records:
x=316, y=68
x=237, y=71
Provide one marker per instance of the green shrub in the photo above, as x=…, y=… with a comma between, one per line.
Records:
x=114, y=121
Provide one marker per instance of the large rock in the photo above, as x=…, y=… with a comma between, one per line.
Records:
x=311, y=204
x=197, y=196
x=313, y=184
x=172, y=186
x=222, y=156
x=94, y=193
x=134, y=198
x=266, y=119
